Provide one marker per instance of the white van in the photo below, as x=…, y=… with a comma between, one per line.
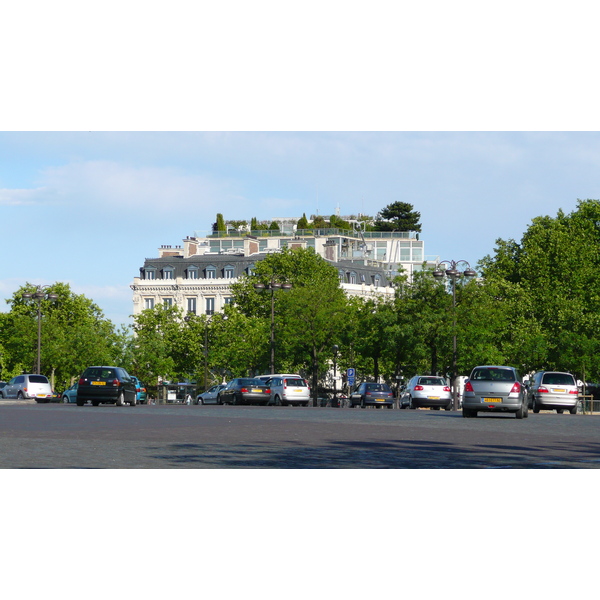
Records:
x=287, y=389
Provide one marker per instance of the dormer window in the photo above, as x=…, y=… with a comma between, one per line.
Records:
x=192, y=272
x=168, y=273
x=351, y=277
x=228, y=272
x=210, y=272
x=377, y=280
x=150, y=273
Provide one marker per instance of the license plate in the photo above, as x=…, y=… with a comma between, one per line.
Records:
x=491, y=400
x=41, y=395
x=98, y=382
x=558, y=390
x=257, y=391
x=433, y=397
x=297, y=390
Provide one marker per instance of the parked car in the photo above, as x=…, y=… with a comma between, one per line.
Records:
x=289, y=390
x=70, y=394
x=376, y=394
x=210, y=396
x=140, y=389
x=245, y=390
x=23, y=387
x=106, y=384
x=553, y=390
x=494, y=389
x=427, y=391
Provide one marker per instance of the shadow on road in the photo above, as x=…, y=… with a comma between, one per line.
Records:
x=397, y=454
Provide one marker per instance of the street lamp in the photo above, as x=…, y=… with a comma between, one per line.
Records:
x=453, y=272
x=272, y=286
x=39, y=295
x=335, y=354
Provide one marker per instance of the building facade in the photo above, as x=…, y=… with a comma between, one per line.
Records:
x=197, y=276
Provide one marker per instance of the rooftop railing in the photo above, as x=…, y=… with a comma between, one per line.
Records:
x=262, y=233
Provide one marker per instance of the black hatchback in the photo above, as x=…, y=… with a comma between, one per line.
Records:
x=106, y=385
x=245, y=390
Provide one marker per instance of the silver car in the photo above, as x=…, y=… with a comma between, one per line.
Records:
x=549, y=390
x=210, y=396
x=28, y=386
x=494, y=389
x=290, y=389
x=427, y=391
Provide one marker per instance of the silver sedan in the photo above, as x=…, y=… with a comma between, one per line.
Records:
x=210, y=396
x=427, y=391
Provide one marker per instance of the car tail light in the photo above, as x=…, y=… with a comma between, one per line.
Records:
x=573, y=392
x=418, y=388
x=244, y=390
x=468, y=387
x=116, y=382
x=542, y=390
x=446, y=388
x=516, y=388
x=81, y=381
x=268, y=391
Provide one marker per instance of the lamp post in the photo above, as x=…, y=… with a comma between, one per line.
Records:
x=272, y=286
x=453, y=272
x=40, y=294
x=335, y=349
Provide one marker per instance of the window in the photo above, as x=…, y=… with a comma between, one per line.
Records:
x=149, y=303
x=192, y=273
x=150, y=274
x=342, y=276
x=228, y=300
x=250, y=270
x=191, y=305
x=352, y=277
x=228, y=272
x=210, y=306
x=377, y=280
x=211, y=272
x=168, y=302
x=168, y=273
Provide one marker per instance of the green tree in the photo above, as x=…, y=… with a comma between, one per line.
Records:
x=274, y=226
x=219, y=225
x=398, y=216
x=308, y=317
x=74, y=334
x=303, y=222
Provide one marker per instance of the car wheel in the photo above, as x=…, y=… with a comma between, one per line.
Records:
x=559, y=411
x=410, y=403
x=519, y=413
x=121, y=400
x=468, y=413
x=448, y=406
x=219, y=399
x=362, y=403
x=134, y=401
x=19, y=396
x=80, y=402
x=95, y=403
x=65, y=399
x=573, y=410
x=277, y=401
x=535, y=407
x=390, y=406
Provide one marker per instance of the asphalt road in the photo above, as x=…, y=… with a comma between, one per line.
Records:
x=227, y=437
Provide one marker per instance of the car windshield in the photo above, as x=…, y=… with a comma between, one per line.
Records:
x=493, y=374
x=432, y=381
x=250, y=382
x=100, y=373
x=296, y=382
x=377, y=387
x=558, y=379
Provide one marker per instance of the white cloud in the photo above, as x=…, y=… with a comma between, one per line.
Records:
x=21, y=197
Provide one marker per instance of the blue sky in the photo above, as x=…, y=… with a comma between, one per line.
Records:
x=87, y=207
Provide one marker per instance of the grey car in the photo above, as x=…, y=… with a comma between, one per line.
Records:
x=493, y=388
x=427, y=391
x=28, y=386
x=553, y=390
x=210, y=396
